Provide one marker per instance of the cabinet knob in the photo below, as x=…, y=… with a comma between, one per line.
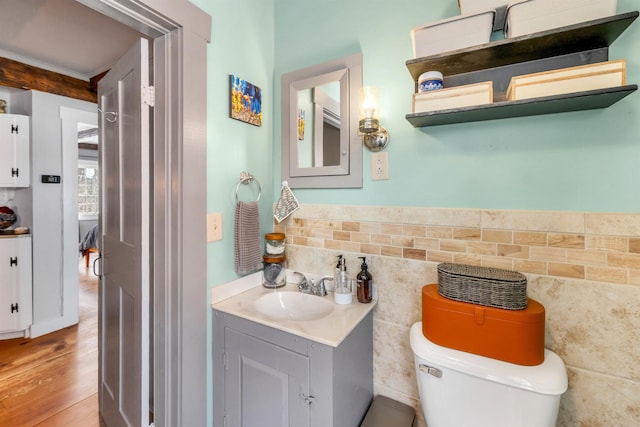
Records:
x=308, y=398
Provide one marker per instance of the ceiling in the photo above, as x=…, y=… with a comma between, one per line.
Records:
x=62, y=36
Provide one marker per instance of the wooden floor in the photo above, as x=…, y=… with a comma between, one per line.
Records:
x=53, y=380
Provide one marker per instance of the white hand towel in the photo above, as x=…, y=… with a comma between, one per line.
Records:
x=248, y=253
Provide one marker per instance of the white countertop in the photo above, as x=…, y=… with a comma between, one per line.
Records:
x=329, y=330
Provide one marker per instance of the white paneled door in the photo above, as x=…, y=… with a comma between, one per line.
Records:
x=124, y=230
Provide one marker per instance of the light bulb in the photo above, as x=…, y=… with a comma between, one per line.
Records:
x=369, y=107
x=369, y=103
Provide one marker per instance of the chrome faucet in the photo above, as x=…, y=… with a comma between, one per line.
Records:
x=320, y=289
x=308, y=286
x=303, y=286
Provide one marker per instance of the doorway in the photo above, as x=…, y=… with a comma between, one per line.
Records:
x=88, y=204
x=180, y=33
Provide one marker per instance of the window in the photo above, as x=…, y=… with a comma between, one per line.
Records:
x=88, y=190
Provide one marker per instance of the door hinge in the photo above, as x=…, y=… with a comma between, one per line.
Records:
x=15, y=172
x=13, y=261
x=14, y=128
x=14, y=308
x=225, y=359
x=149, y=95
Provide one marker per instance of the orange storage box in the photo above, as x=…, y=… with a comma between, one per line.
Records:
x=515, y=336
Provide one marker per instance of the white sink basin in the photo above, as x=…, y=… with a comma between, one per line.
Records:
x=293, y=306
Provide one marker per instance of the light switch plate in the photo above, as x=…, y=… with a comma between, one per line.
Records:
x=214, y=226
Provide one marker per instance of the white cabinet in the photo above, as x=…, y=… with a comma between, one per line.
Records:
x=14, y=150
x=15, y=283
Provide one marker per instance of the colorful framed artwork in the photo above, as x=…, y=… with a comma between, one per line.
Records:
x=246, y=101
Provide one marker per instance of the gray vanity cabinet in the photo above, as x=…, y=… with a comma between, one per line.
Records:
x=264, y=383
x=263, y=376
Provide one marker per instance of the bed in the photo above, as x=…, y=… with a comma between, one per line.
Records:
x=89, y=244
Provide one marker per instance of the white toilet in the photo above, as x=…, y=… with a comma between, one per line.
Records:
x=463, y=389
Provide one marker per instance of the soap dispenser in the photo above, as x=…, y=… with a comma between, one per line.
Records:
x=343, y=280
x=336, y=275
x=364, y=283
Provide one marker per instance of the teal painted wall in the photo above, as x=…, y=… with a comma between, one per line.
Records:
x=241, y=44
x=582, y=161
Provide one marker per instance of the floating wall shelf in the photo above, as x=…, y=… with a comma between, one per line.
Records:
x=578, y=44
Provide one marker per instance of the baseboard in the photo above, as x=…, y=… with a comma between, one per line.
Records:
x=43, y=328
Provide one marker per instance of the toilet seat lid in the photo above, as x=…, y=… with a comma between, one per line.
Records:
x=550, y=377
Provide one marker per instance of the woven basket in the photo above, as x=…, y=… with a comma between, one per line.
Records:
x=492, y=287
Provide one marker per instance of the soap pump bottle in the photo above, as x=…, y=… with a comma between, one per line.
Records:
x=364, y=284
x=343, y=280
x=336, y=275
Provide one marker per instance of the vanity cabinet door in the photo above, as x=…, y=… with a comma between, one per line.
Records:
x=266, y=385
x=14, y=150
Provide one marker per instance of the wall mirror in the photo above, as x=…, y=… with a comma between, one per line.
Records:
x=321, y=147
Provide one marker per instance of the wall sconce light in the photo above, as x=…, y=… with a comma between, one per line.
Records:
x=374, y=136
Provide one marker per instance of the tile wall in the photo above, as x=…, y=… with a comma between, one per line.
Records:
x=583, y=267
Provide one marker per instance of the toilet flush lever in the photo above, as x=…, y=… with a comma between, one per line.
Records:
x=431, y=370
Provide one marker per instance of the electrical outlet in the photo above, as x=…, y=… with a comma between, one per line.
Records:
x=379, y=166
x=214, y=226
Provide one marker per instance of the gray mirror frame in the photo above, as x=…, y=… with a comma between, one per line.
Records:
x=349, y=175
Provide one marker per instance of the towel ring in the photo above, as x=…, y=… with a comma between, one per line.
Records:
x=246, y=178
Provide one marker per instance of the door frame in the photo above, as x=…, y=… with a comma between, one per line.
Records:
x=70, y=117
x=180, y=33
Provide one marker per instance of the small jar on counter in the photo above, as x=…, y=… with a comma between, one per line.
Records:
x=274, y=244
x=274, y=273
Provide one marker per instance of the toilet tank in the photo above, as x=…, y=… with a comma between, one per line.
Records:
x=463, y=389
